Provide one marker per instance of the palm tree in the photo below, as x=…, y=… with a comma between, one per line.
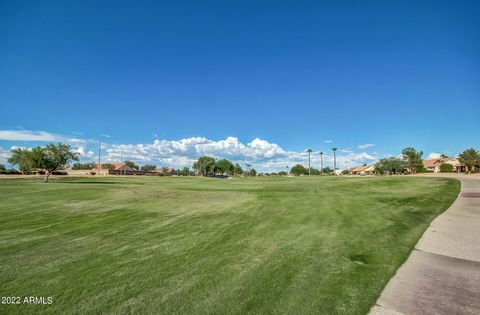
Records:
x=334, y=160
x=469, y=157
x=309, y=151
x=321, y=162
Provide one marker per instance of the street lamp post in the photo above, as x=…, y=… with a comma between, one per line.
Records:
x=334, y=161
x=99, y=158
x=321, y=162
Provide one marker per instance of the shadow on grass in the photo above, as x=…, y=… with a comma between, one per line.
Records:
x=89, y=182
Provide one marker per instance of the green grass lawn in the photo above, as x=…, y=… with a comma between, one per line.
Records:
x=197, y=245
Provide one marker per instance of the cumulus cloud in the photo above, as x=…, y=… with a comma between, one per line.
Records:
x=4, y=155
x=83, y=153
x=184, y=152
x=365, y=146
x=434, y=156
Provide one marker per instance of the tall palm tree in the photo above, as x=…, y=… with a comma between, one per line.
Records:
x=321, y=162
x=335, y=160
x=309, y=151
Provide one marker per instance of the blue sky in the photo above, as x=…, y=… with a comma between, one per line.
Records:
x=293, y=74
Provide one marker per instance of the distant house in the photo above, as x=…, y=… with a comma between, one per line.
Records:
x=166, y=171
x=362, y=170
x=119, y=169
x=433, y=165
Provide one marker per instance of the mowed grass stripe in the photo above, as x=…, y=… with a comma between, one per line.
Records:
x=197, y=245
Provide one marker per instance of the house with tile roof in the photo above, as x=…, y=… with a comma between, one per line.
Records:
x=362, y=170
x=433, y=165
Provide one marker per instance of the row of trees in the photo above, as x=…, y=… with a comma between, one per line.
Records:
x=299, y=169
x=4, y=170
x=56, y=156
x=209, y=166
x=410, y=161
x=311, y=171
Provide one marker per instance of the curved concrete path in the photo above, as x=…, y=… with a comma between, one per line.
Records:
x=442, y=274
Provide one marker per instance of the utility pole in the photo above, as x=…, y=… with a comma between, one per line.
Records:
x=321, y=162
x=121, y=163
x=334, y=161
x=99, y=157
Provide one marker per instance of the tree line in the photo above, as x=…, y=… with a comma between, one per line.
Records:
x=209, y=166
x=56, y=156
x=299, y=169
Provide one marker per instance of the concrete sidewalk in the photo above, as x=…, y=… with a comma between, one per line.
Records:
x=442, y=274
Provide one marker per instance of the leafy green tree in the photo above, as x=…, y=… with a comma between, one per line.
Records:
x=148, y=168
x=204, y=166
x=49, y=158
x=446, y=168
x=413, y=158
x=471, y=158
x=165, y=171
x=131, y=164
x=237, y=170
x=391, y=165
x=298, y=170
x=314, y=171
x=184, y=171
x=252, y=172
x=224, y=166
x=2, y=167
x=23, y=158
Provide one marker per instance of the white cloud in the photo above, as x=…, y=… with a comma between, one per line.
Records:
x=105, y=135
x=434, y=156
x=26, y=135
x=83, y=153
x=365, y=146
x=34, y=136
x=327, y=141
x=4, y=155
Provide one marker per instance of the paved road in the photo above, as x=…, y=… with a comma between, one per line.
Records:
x=442, y=274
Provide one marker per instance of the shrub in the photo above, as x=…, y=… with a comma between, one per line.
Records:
x=59, y=173
x=10, y=171
x=446, y=168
